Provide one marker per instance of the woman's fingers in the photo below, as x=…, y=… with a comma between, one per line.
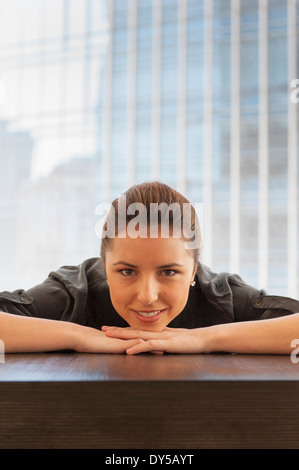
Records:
x=126, y=333
x=152, y=346
x=130, y=344
x=170, y=340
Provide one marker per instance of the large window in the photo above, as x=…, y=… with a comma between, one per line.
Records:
x=97, y=95
x=51, y=54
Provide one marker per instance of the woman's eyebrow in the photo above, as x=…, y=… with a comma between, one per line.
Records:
x=171, y=265
x=124, y=262
x=164, y=266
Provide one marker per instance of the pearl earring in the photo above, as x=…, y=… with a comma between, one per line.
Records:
x=107, y=283
x=192, y=283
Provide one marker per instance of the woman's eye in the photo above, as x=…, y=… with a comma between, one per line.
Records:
x=130, y=272
x=168, y=272
x=126, y=272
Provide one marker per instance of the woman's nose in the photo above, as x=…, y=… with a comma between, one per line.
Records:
x=148, y=291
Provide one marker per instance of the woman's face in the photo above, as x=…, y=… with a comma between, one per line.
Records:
x=149, y=280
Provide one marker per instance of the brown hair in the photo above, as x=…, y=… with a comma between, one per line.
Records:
x=148, y=194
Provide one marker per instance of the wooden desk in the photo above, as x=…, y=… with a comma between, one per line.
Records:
x=217, y=401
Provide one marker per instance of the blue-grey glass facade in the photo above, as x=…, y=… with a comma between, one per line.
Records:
x=211, y=117
x=195, y=93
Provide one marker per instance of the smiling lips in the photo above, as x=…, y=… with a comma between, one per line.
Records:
x=148, y=316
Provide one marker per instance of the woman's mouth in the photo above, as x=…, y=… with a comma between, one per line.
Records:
x=147, y=315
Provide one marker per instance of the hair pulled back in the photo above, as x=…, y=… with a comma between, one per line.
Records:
x=154, y=198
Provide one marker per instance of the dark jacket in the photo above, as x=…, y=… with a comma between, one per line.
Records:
x=80, y=294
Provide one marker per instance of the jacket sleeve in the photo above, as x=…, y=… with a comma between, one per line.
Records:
x=251, y=304
x=62, y=296
x=232, y=299
x=47, y=300
x=50, y=299
x=273, y=306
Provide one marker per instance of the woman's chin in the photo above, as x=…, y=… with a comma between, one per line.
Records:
x=144, y=326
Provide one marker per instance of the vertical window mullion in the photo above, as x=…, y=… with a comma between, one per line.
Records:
x=292, y=156
x=107, y=108
x=181, y=97
x=156, y=104
x=263, y=212
x=208, y=133
x=132, y=81
x=235, y=139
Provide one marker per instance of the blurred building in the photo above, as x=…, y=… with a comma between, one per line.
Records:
x=197, y=94
x=51, y=52
x=15, y=165
x=55, y=223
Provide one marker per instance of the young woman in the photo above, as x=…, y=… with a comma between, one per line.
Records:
x=147, y=292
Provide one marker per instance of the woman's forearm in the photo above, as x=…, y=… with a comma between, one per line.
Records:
x=273, y=336
x=27, y=334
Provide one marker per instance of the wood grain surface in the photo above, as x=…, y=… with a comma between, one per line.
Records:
x=78, y=401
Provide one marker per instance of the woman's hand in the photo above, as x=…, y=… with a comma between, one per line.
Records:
x=170, y=340
x=272, y=336
x=90, y=340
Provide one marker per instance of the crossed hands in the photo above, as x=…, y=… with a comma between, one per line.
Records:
x=170, y=340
